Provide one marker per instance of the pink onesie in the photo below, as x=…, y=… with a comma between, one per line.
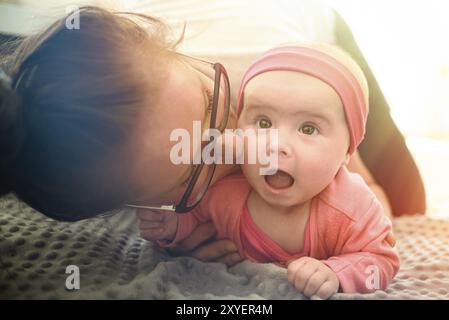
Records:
x=347, y=229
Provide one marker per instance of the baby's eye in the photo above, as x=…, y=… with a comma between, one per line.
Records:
x=308, y=129
x=264, y=123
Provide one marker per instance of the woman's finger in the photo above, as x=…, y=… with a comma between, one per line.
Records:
x=149, y=215
x=203, y=233
x=150, y=224
x=231, y=259
x=152, y=234
x=215, y=250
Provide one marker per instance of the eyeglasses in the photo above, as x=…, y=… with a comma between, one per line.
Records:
x=219, y=113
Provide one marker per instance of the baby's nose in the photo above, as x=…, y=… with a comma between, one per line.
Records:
x=285, y=150
x=280, y=145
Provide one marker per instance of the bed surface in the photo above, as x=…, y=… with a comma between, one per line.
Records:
x=116, y=264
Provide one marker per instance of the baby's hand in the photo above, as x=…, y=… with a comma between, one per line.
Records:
x=154, y=225
x=312, y=277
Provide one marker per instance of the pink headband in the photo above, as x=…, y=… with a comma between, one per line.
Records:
x=323, y=67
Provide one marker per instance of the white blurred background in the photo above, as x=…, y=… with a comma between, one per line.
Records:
x=406, y=44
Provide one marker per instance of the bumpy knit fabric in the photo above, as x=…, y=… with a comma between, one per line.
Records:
x=115, y=263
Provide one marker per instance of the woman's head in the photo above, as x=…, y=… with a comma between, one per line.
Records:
x=186, y=97
x=70, y=111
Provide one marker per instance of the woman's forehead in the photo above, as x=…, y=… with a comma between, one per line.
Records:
x=179, y=102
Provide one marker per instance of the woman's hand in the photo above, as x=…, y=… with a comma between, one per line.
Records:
x=200, y=244
x=156, y=226
x=203, y=245
x=312, y=277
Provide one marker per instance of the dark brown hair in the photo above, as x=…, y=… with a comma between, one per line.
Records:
x=67, y=113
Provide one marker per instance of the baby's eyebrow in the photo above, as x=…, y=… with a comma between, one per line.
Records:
x=316, y=115
x=253, y=107
x=309, y=113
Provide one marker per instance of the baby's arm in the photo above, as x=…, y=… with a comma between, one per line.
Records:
x=356, y=165
x=365, y=260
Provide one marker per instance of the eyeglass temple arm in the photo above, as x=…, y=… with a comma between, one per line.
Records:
x=164, y=207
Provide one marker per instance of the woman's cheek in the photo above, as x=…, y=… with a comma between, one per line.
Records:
x=231, y=143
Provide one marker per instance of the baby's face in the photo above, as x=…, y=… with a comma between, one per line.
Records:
x=313, y=136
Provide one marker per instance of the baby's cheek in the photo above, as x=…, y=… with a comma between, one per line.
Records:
x=315, y=175
x=252, y=175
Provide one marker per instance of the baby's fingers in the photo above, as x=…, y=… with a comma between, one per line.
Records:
x=302, y=276
x=327, y=290
x=293, y=267
x=314, y=283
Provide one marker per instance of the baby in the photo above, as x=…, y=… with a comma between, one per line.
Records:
x=313, y=216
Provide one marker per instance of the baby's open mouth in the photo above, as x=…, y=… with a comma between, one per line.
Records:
x=279, y=180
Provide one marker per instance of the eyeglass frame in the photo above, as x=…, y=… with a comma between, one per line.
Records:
x=182, y=206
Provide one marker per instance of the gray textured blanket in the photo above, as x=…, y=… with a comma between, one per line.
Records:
x=114, y=263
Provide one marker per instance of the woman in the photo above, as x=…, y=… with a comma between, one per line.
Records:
x=80, y=122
